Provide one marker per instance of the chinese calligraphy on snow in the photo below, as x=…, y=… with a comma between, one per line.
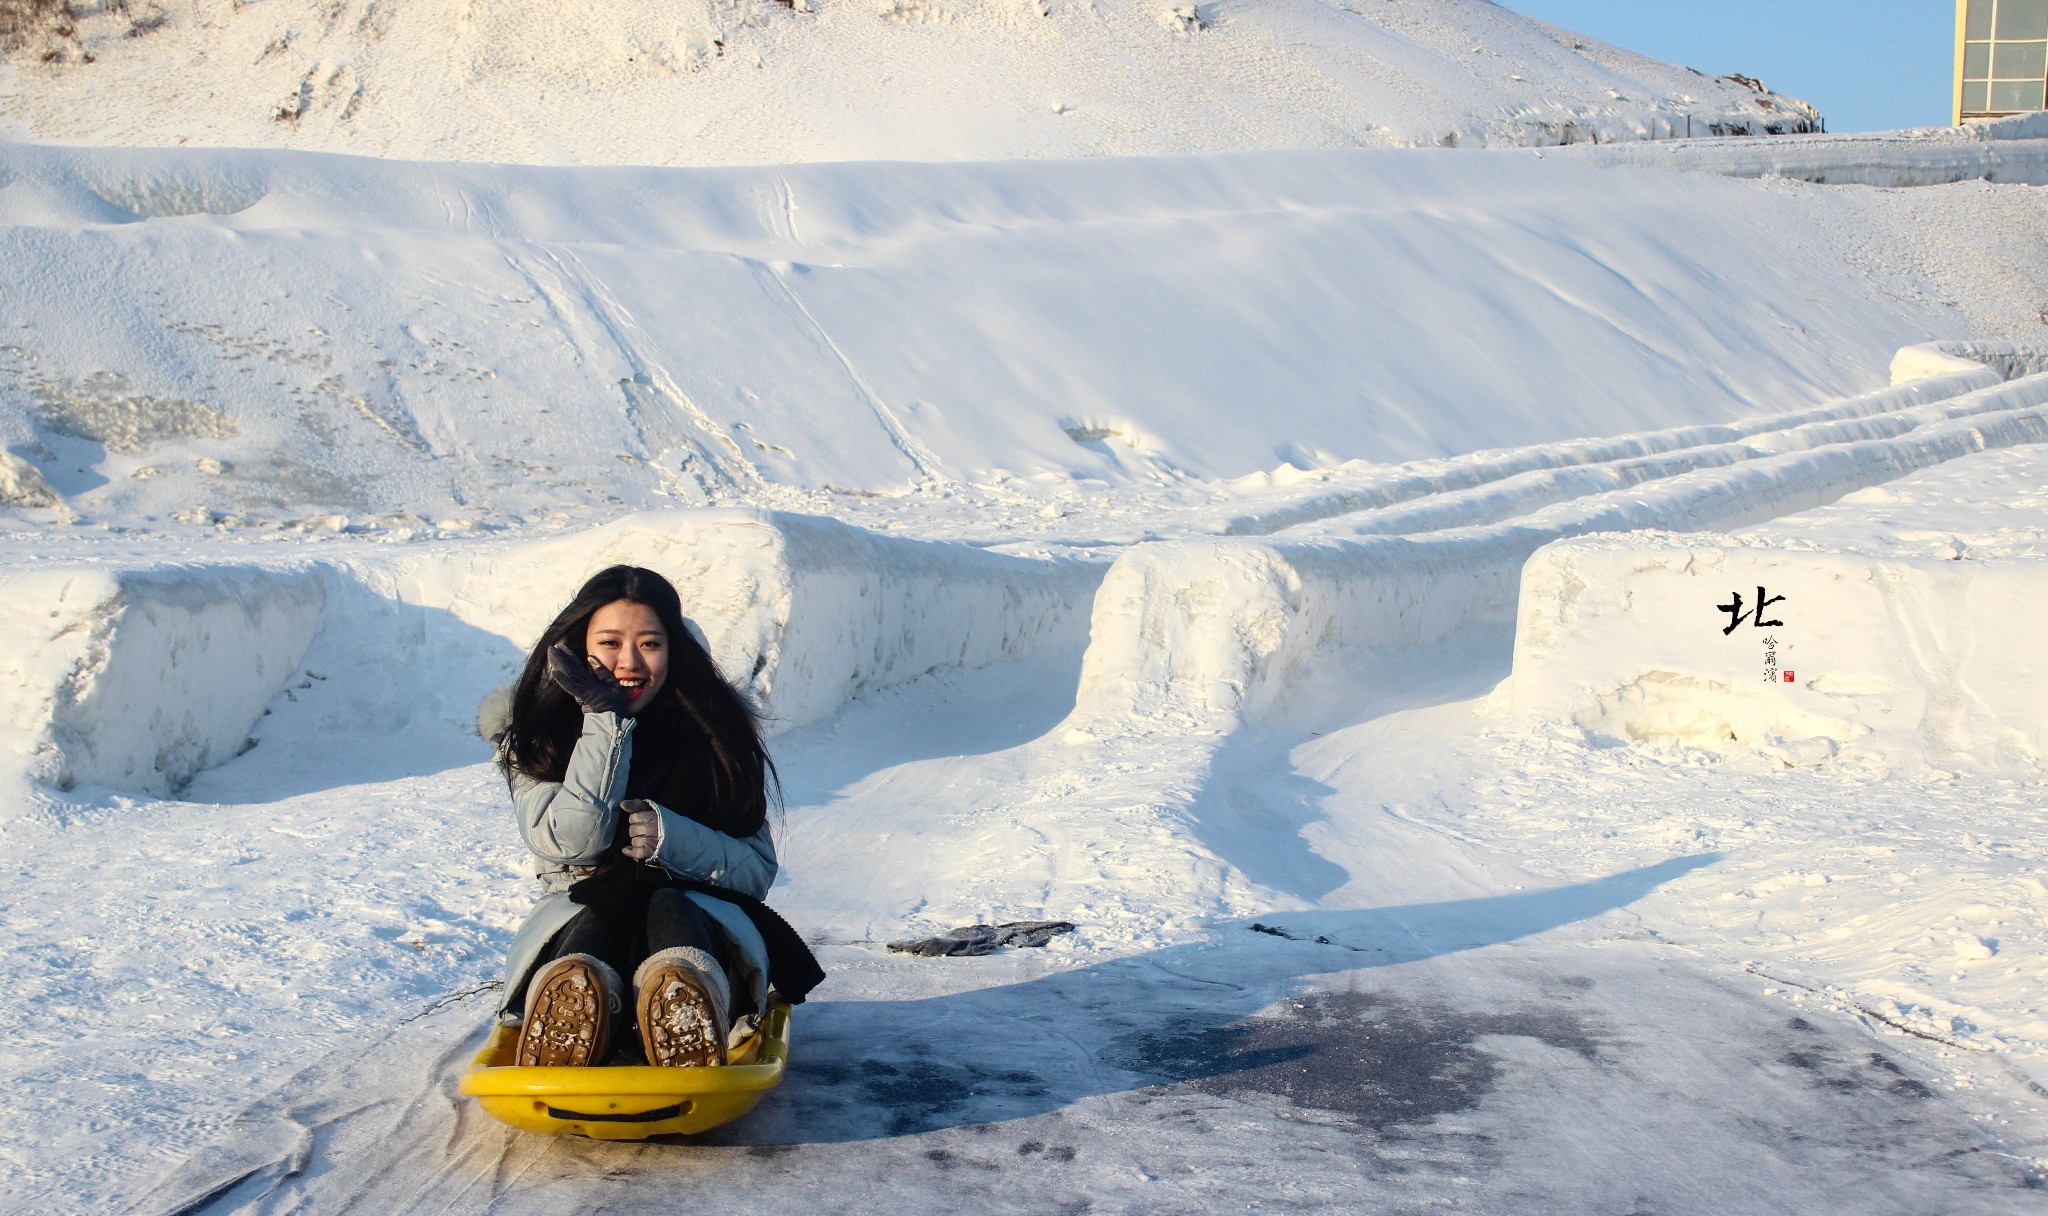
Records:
x=1755, y=616
x=1737, y=614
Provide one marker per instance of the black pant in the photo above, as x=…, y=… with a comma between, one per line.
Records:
x=671, y=918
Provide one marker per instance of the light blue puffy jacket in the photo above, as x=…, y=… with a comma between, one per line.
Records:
x=569, y=825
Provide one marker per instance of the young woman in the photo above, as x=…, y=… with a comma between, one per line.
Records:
x=642, y=789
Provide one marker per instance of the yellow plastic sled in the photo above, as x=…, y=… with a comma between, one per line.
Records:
x=627, y=1103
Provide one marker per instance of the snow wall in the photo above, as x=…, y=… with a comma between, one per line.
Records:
x=136, y=680
x=1196, y=633
x=807, y=613
x=1895, y=662
x=803, y=612
x=139, y=678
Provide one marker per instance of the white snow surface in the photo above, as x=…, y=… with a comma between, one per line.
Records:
x=1910, y=651
x=759, y=82
x=280, y=340
x=1156, y=544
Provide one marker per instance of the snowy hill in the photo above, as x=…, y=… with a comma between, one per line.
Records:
x=268, y=339
x=706, y=82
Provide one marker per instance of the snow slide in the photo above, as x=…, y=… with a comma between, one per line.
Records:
x=1418, y=1009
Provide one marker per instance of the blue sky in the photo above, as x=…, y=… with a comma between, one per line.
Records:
x=1870, y=65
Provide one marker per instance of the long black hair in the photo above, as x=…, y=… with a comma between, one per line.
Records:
x=696, y=746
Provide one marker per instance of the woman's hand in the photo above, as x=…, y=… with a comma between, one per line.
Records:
x=642, y=829
x=591, y=687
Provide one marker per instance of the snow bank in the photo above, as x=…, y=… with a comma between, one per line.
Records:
x=1900, y=664
x=1196, y=632
x=1901, y=632
x=803, y=612
x=2010, y=360
x=2013, y=126
x=1919, y=158
x=686, y=82
x=138, y=679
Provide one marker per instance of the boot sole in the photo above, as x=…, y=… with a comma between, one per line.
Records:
x=566, y=1013
x=677, y=1025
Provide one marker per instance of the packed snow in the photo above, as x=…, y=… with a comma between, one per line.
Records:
x=1301, y=569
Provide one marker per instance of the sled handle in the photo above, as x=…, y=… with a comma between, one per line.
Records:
x=645, y=1116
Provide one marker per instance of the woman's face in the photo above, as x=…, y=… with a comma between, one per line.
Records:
x=627, y=640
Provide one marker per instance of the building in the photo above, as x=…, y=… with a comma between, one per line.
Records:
x=2001, y=57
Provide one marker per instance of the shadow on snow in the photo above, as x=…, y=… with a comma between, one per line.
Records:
x=876, y=1069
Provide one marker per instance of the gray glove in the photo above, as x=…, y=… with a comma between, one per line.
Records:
x=642, y=829
x=589, y=685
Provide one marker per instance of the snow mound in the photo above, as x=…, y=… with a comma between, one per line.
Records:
x=2014, y=126
x=2010, y=360
x=1197, y=633
x=759, y=82
x=1900, y=631
x=137, y=680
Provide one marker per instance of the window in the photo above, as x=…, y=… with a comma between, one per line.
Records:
x=2005, y=56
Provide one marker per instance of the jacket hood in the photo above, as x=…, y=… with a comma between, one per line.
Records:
x=494, y=713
